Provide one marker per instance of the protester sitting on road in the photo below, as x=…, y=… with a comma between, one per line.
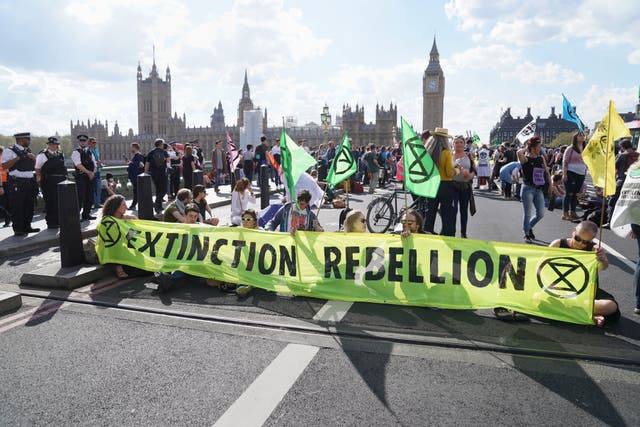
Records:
x=249, y=220
x=411, y=223
x=355, y=222
x=116, y=207
x=241, y=196
x=174, y=212
x=199, y=199
x=556, y=191
x=108, y=187
x=291, y=217
x=166, y=281
x=605, y=307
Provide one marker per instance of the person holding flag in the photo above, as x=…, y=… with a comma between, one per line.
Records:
x=438, y=148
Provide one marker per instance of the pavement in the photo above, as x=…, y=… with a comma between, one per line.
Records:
x=11, y=244
x=123, y=354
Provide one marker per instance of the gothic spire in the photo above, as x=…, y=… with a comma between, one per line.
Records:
x=434, y=59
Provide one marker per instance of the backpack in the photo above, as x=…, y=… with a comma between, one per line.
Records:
x=157, y=159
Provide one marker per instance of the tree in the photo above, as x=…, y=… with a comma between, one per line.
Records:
x=564, y=138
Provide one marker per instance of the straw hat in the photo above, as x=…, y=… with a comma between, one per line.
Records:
x=441, y=132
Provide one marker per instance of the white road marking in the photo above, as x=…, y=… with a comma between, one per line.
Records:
x=333, y=311
x=612, y=251
x=259, y=400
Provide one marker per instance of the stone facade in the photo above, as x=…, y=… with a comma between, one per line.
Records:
x=155, y=121
x=547, y=128
x=433, y=91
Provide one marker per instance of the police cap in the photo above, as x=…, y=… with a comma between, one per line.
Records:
x=82, y=138
x=53, y=140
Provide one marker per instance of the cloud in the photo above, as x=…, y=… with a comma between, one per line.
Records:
x=511, y=64
x=45, y=102
x=526, y=23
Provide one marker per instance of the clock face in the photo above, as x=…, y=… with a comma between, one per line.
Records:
x=432, y=85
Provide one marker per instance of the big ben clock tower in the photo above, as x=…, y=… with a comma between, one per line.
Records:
x=432, y=91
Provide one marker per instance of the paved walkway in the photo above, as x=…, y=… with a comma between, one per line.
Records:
x=10, y=244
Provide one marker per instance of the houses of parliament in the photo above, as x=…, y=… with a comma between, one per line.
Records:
x=155, y=119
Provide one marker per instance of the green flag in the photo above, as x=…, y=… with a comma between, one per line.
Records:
x=476, y=138
x=421, y=176
x=295, y=161
x=343, y=165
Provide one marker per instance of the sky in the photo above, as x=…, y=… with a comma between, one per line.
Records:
x=76, y=59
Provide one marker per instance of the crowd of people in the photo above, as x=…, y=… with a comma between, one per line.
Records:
x=530, y=173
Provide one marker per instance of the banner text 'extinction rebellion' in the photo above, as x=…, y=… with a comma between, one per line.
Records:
x=422, y=270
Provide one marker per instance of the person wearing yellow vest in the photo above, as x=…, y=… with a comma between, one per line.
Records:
x=21, y=183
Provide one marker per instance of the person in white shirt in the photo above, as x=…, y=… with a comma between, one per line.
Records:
x=241, y=196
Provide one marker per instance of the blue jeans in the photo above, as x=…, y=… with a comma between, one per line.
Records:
x=97, y=189
x=572, y=187
x=444, y=199
x=532, y=197
x=636, y=276
x=218, y=182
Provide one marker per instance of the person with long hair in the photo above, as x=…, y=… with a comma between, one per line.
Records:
x=200, y=200
x=462, y=183
x=355, y=222
x=534, y=176
x=574, y=171
x=438, y=148
x=116, y=206
x=241, y=196
x=188, y=166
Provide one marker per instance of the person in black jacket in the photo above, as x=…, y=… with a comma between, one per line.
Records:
x=156, y=165
x=86, y=166
x=50, y=170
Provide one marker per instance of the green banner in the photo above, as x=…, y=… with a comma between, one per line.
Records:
x=343, y=165
x=421, y=176
x=295, y=161
x=421, y=270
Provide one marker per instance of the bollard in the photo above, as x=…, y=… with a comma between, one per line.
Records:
x=198, y=178
x=71, y=252
x=145, y=197
x=264, y=186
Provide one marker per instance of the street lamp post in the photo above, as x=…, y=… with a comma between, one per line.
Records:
x=325, y=119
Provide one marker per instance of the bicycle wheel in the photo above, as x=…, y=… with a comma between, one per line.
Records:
x=380, y=215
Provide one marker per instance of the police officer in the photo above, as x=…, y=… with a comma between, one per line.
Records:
x=85, y=165
x=50, y=170
x=20, y=162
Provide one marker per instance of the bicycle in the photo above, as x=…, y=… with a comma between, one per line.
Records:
x=383, y=211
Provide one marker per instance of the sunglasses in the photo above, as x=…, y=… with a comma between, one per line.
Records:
x=404, y=221
x=581, y=240
x=248, y=219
